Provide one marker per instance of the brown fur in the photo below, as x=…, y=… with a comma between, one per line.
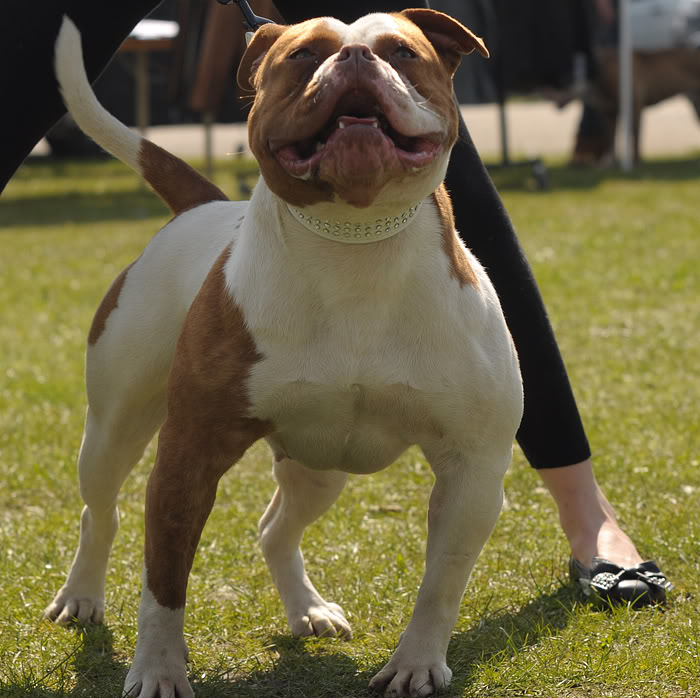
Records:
x=449, y=38
x=178, y=184
x=287, y=110
x=108, y=304
x=282, y=102
x=657, y=76
x=207, y=430
x=427, y=75
x=460, y=268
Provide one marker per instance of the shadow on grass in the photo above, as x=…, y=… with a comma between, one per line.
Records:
x=324, y=671
x=96, y=666
x=74, y=207
x=503, y=634
x=299, y=672
x=308, y=669
x=137, y=204
x=563, y=177
x=128, y=203
x=91, y=671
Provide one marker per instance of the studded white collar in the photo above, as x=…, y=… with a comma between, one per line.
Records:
x=356, y=232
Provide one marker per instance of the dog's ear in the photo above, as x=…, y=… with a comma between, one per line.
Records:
x=257, y=49
x=449, y=38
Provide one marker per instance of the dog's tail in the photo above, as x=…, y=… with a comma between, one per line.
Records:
x=179, y=185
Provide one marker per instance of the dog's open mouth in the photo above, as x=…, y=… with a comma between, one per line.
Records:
x=357, y=121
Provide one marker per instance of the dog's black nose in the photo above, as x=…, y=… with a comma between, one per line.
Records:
x=356, y=52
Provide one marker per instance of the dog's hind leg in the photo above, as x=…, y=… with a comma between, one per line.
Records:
x=110, y=449
x=302, y=496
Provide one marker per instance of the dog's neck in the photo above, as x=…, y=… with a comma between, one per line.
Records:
x=354, y=226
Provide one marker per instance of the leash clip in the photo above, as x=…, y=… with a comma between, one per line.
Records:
x=251, y=20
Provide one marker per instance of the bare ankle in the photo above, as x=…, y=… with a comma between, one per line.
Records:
x=586, y=517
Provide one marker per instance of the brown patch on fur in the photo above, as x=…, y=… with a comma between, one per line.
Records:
x=207, y=430
x=178, y=184
x=283, y=105
x=450, y=39
x=460, y=267
x=260, y=44
x=430, y=76
x=108, y=304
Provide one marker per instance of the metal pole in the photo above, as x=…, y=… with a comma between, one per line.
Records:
x=626, y=96
x=208, y=122
x=503, y=124
x=143, y=92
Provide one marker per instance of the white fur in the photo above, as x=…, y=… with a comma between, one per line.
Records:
x=365, y=29
x=382, y=325
x=160, y=660
x=88, y=113
x=366, y=350
x=412, y=116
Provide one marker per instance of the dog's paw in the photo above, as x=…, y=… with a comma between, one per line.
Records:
x=401, y=679
x=322, y=619
x=69, y=607
x=158, y=680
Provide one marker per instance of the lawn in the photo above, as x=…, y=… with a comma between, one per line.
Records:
x=617, y=260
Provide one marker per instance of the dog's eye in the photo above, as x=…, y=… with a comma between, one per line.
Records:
x=300, y=53
x=404, y=52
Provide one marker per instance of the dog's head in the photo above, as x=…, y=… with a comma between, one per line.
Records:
x=359, y=113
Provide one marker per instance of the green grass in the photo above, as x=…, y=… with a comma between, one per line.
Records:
x=617, y=261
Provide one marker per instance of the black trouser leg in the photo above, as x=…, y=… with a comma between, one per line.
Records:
x=28, y=29
x=551, y=433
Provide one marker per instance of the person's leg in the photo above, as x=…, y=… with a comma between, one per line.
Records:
x=27, y=35
x=587, y=518
x=551, y=433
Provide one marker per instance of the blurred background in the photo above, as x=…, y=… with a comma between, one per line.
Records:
x=549, y=58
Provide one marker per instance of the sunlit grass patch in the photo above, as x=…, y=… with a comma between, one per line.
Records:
x=617, y=261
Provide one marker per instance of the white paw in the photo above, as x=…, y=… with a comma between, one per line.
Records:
x=322, y=619
x=402, y=679
x=158, y=680
x=70, y=607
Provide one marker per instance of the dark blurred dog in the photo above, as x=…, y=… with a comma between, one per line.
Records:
x=657, y=76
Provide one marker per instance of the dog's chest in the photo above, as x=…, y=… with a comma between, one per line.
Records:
x=356, y=428
x=354, y=398
x=345, y=391
x=364, y=350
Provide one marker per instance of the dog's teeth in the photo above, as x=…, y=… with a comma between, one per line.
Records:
x=375, y=124
x=320, y=146
x=341, y=124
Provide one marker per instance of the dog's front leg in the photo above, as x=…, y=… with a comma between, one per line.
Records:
x=180, y=494
x=464, y=505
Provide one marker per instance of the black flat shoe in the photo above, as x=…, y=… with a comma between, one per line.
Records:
x=642, y=585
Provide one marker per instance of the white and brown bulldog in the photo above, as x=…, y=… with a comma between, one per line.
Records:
x=336, y=315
